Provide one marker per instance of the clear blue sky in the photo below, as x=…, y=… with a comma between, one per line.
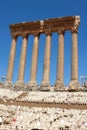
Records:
x=13, y=11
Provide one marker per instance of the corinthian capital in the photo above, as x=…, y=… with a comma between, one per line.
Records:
x=74, y=29
x=14, y=37
x=37, y=34
x=24, y=35
x=77, y=21
x=61, y=31
x=48, y=33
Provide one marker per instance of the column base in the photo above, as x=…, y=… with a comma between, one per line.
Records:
x=59, y=86
x=74, y=86
x=8, y=85
x=19, y=86
x=45, y=86
x=32, y=86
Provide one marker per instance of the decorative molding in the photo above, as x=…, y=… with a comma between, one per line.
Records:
x=74, y=29
x=44, y=26
x=61, y=31
x=14, y=37
x=24, y=35
x=48, y=33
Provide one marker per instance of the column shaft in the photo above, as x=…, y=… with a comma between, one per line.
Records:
x=60, y=65
x=74, y=84
x=11, y=60
x=59, y=85
x=74, y=64
x=32, y=85
x=46, y=72
x=23, y=59
x=34, y=59
x=45, y=85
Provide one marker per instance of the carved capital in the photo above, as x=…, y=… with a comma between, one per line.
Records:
x=36, y=34
x=77, y=21
x=61, y=31
x=41, y=24
x=48, y=33
x=74, y=29
x=14, y=37
x=24, y=35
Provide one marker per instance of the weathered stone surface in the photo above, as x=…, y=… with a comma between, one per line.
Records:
x=47, y=27
x=32, y=86
x=74, y=86
x=50, y=25
x=74, y=64
x=41, y=96
x=34, y=59
x=45, y=86
x=59, y=86
x=23, y=58
x=11, y=60
x=8, y=84
x=46, y=72
x=19, y=86
x=17, y=117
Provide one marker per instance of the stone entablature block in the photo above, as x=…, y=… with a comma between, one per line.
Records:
x=44, y=26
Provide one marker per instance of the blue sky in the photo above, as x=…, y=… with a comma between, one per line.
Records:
x=12, y=12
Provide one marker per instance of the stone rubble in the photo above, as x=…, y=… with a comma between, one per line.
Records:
x=57, y=97
x=42, y=118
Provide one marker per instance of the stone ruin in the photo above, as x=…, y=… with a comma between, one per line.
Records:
x=48, y=27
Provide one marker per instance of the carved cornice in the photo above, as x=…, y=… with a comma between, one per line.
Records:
x=44, y=26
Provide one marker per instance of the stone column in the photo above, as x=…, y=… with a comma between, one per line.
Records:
x=11, y=62
x=74, y=85
x=45, y=85
x=59, y=85
x=32, y=85
x=20, y=82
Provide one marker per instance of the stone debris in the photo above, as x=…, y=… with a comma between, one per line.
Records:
x=9, y=94
x=24, y=118
x=57, y=97
x=42, y=118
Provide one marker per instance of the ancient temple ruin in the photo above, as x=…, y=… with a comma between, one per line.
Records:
x=48, y=27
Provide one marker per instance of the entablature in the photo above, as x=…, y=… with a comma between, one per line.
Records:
x=45, y=26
